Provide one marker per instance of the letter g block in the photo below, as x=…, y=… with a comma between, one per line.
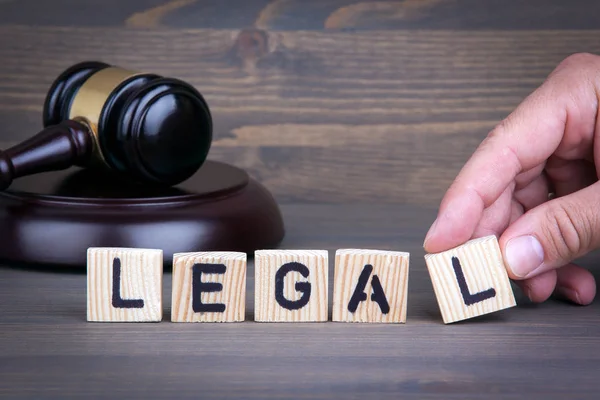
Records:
x=291, y=286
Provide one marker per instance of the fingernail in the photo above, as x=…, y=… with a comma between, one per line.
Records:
x=567, y=294
x=524, y=254
x=430, y=232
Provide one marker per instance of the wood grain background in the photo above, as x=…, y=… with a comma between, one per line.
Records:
x=332, y=101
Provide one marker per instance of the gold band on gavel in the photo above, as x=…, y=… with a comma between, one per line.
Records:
x=91, y=97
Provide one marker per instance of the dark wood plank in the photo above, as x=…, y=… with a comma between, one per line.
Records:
x=389, y=116
x=303, y=15
x=546, y=351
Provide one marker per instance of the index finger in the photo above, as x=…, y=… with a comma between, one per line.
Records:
x=565, y=105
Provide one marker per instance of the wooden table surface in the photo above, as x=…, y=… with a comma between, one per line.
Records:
x=546, y=351
x=356, y=115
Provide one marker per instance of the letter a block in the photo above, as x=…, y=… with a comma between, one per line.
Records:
x=291, y=286
x=124, y=285
x=209, y=287
x=370, y=286
x=470, y=280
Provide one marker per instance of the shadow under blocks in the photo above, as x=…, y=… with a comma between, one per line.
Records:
x=370, y=286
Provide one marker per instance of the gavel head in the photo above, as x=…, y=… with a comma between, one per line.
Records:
x=151, y=128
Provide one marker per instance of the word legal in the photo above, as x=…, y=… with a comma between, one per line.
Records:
x=125, y=285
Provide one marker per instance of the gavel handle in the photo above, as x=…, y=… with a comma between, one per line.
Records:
x=54, y=148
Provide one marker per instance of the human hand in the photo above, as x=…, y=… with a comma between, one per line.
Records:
x=533, y=182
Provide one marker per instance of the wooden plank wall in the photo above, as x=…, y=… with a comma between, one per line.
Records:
x=332, y=101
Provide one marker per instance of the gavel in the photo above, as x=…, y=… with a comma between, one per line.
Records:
x=149, y=128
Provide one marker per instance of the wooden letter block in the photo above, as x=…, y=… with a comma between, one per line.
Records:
x=209, y=287
x=470, y=280
x=370, y=286
x=291, y=285
x=124, y=285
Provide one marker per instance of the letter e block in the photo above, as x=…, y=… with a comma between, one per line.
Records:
x=291, y=286
x=124, y=285
x=370, y=286
x=470, y=280
x=209, y=287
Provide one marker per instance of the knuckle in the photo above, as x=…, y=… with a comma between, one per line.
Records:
x=497, y=134
x=497, y=137
x=502, y=128
x=580, y=59
x=568, y=230
x=574, y=85
x=577, y=65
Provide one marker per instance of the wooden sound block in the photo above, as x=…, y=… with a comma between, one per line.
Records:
x=291, y=286
x=209, y=287
x=53, y=218
x=470, y=280
x=124, y=285
x=370, y=286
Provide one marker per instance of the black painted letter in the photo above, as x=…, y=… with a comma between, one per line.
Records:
x=469, y=298
x=303, y=287
x=359, y=294
x=198, y=287
x=117, y=301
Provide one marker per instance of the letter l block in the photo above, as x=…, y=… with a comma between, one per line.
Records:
x=291, y=286
x=470, y=280
x=124, y=285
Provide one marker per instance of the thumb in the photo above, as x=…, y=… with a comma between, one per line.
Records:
x=553, y=234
